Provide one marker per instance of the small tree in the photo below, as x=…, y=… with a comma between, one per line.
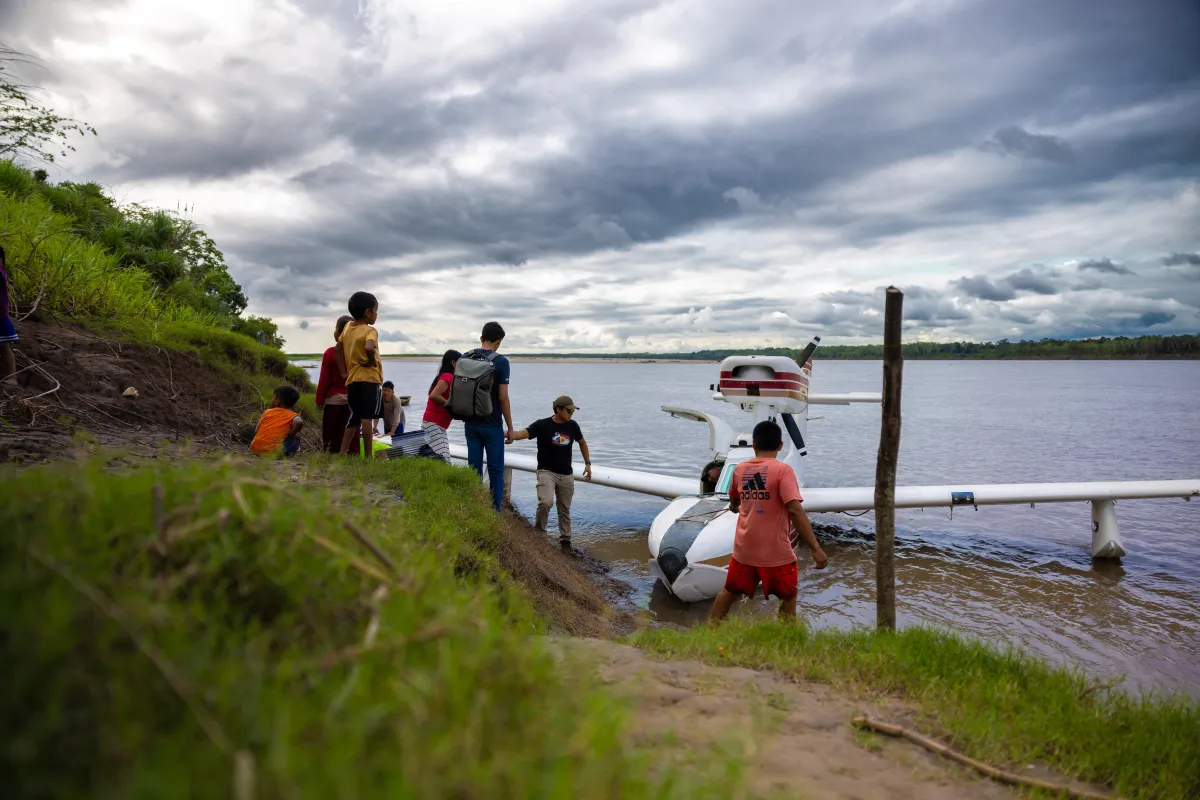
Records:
x=26, y=128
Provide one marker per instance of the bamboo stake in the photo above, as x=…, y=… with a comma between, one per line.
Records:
x=986, y=769
x=885, y=469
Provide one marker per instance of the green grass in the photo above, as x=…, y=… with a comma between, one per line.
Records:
x=168, y=631
x=63, y=273
x=998, y=706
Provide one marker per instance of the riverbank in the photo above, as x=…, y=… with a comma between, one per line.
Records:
x=187, y=569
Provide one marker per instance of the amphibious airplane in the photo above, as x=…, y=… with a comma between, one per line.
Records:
x=692, y=538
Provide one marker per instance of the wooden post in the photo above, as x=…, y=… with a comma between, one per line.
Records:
x=885, y=468
x=508, y=476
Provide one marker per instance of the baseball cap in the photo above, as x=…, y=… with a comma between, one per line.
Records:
x=563, y=401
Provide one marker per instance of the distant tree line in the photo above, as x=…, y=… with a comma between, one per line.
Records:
x=1104, y=347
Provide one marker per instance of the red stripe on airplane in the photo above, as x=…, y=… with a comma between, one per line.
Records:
x=790, y=376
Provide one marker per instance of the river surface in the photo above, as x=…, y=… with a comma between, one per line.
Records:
x=1010, y=575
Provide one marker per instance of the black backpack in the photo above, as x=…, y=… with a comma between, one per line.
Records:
x=471, y=391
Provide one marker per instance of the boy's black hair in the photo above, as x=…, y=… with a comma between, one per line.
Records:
x=767, y=436
x=360, y=303
x=288, y=395
x=388, y=385
x=492, y=332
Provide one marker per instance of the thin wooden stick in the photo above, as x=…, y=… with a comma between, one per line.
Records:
x=358, y=534
x=885, y=468
x=986, y=769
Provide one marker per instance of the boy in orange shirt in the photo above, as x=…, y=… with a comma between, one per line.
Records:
x=765, y=495
x=279, y=425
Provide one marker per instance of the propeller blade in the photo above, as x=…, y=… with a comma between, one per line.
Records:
x=807, y=352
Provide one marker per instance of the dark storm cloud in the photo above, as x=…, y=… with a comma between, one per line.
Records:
x=1152, y=318
x=985, y=289
x=1017, y=141
x=1180, y=259
x=1105, y=265
x=1029, y=281
x=1024, y=280
x=393, y=336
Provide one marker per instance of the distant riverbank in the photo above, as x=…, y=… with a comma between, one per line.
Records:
x=1120, y=348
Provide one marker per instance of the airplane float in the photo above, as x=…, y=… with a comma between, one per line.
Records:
x=691, y=539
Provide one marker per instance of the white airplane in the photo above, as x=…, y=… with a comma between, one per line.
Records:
x=691, y=539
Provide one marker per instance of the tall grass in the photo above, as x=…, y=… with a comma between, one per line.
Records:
x=57, y=271
x=174, y=632
x=1001, y=706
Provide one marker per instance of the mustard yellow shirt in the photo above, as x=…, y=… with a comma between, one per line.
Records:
x=354, y=347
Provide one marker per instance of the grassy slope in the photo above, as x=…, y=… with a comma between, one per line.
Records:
x=73, y=280
x=1002, y=707
x=146, y=649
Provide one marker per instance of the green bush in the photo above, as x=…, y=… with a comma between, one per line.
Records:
x=56, y=271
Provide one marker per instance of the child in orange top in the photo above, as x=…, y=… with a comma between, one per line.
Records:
x=279, y=425
x=765, y=495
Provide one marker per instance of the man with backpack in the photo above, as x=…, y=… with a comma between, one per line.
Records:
x=479, y=397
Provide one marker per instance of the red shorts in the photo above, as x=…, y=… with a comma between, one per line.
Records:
x=780, y=581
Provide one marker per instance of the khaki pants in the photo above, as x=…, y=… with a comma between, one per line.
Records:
x=553, y=488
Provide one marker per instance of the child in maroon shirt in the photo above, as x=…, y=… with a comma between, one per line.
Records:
x=331, y=393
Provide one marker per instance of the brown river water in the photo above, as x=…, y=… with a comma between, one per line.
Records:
x=1009, y=575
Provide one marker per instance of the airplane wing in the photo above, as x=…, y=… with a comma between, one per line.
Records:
x=862, y=498
x=667, y=486
x=844, y=399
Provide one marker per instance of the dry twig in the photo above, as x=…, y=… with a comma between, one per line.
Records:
x=994, y=773
x=358, y=534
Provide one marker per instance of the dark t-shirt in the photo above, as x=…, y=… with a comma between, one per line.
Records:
x=499, y=376
x=554, y=440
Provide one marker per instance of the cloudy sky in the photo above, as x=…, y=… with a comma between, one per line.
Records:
x=656, y=174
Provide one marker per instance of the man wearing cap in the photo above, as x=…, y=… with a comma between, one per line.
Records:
x=555, y=475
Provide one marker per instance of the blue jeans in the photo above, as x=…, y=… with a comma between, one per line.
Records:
x=489, y=438
x=291, y=446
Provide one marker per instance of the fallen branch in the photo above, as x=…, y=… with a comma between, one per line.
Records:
x=27, y=367
x=57, y=386
x=358, y=534
x=986, y=769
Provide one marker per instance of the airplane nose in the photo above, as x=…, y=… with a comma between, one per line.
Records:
x=672, y=561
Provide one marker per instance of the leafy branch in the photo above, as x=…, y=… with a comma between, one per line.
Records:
x=27, y=128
